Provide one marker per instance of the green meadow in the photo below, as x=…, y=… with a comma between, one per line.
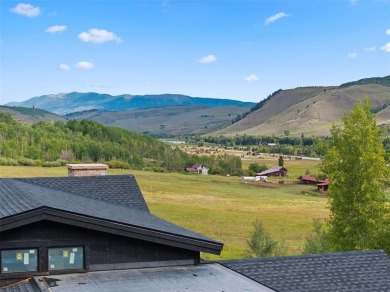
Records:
x=222, y=207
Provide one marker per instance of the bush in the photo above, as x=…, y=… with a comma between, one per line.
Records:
x=29, y=162
x=257, y=167
x=261, y=243
x=118, y=164
x=317, y=242
x=8, y=161
x=51, y=164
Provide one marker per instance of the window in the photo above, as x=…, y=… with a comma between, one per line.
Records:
x=66, y=258
x=19, y=260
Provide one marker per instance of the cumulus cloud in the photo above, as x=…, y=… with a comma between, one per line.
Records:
x=207, y=59
x=275, y=17
x=56, y=28
x=388, y=31
x=64, y=67
x=84, y=65
x=251, y=78
x=352, y=55
x=386, y=47
x=99, y=36
x=371, y=49
x=26, y=10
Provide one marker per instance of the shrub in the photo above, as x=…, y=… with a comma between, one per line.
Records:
x=8, y=161
x=28, y=162
x=51, y=164
x=118, y=164
x=261, y=244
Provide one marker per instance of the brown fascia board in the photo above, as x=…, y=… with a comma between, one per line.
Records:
x=107, y=226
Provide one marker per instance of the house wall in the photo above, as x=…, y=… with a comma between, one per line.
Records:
x=102, y=251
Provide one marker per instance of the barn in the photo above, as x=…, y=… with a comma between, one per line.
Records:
x=273, y=171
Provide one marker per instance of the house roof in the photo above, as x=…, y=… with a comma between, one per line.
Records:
x=340, y=271
x=26, y=201
x=271, y=170
x=308, y=177
x=324, y=182
x=120, y=189
x=201, y=278
x=27, y=285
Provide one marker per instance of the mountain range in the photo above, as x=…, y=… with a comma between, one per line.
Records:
x=65, y=103
x=303, y=110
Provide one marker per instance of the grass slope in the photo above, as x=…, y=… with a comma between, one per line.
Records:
x=174, y=120
x=310, y=111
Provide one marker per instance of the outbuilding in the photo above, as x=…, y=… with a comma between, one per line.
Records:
x=273, y=171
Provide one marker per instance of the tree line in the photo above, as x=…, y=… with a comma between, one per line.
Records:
x=54, y=144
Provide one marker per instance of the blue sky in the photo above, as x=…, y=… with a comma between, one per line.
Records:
x=242, y=50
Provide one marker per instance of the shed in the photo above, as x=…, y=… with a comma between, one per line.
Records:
x=198, y=168
x=308, y=179
x=323, y=185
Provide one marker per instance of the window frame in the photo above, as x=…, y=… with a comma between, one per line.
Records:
x=55, y=270
x=23, y=251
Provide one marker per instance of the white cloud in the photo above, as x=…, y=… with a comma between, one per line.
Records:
x=251, y=78
x=26, y=10
x=386, y=47
x=98, y=36
x=371, y=49
x=275, y=17
x=353, y=2
x=64, y=67
x=352, y=55
x=388, y=31
x=56, y=28
x=84, y=65
x=207, y=59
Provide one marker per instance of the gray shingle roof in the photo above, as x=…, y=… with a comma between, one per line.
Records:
x=19, y=196
x=121, y=189
x=341, y=271
x=22, y=286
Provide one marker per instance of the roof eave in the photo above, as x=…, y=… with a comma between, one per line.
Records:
x=98, y=224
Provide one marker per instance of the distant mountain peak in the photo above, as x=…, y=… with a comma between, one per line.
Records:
x=65, y=103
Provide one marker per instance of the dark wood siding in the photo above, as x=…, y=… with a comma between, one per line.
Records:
x=103, y=251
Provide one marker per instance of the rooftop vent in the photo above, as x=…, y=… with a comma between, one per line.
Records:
x=87, y=169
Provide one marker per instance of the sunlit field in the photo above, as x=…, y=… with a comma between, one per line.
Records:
x=221, y=207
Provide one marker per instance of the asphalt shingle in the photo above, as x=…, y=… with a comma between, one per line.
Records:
x=119, y=189
x=22, y=286
x=341, y=271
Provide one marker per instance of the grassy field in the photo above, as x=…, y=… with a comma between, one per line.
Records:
x=220, y=207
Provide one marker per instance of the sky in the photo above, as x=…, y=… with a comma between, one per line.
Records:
x=242, y=50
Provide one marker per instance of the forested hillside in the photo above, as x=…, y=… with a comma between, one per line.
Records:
x=53, y=144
